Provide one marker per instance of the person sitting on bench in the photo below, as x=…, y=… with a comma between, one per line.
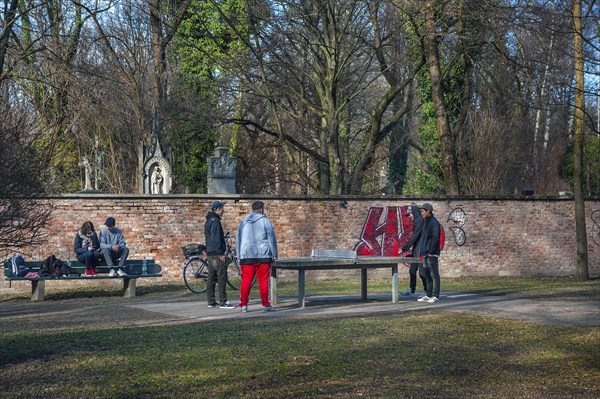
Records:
x=87, y=248
x=113, y=246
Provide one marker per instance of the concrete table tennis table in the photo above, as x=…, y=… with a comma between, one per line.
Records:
x=334, y=262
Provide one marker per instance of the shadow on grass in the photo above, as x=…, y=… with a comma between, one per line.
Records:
x=150, y=290
x=317, y=357
x=588, y=293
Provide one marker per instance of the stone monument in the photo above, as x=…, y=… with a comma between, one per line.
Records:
x=156, y=169
x=88, y=170
x=87, y=165
x=221, y=172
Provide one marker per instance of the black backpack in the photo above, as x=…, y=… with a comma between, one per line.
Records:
x=17, y=266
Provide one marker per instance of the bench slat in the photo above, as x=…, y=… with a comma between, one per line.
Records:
x=133, y=268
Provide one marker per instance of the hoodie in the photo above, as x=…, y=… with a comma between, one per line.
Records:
x=255, y=241
x=418, y=222
x=430, y=237
x=213, y=234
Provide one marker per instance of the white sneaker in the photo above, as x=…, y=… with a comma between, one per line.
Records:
x=268, y=308
x=244, y=309
x=121, y=273
x=433, y=300
x=408, y=292
x=112, y=273
x=423, y=299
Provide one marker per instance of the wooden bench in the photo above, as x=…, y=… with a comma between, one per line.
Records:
x=133, y=268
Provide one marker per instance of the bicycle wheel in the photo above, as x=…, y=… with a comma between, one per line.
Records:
x=195, y=273
x=234, y=275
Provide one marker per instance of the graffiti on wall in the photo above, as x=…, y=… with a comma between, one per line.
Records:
x=459, y=218
x=386, y=237
x=596, y=227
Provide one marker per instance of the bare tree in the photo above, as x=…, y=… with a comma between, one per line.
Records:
x=23, y=211
x=320, y=80
x=43, y=61
x=8, y=20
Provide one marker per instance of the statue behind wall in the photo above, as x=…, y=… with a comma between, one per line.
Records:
x=156, y=170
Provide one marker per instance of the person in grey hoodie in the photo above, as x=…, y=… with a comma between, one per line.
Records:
x=256, y=248
x=113, y=247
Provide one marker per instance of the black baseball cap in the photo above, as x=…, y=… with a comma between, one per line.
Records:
x=217, y=204
x=427, y=206
x=110, y=222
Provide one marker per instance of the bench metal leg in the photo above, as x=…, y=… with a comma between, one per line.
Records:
x=363, y=284
x=37, y=290
x=129, y=285
x=301, y=296
x=273, y=286
x=395, y=284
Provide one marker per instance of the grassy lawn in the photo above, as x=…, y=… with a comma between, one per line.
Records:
x=105, y=353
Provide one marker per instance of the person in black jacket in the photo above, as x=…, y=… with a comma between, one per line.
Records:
x=429, y=249
x=215, y=249
x=87, y=248
x=414, y=214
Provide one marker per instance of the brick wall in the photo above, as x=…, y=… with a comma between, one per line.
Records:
x=514, y=237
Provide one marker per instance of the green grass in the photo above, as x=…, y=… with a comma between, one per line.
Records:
x=430, y=354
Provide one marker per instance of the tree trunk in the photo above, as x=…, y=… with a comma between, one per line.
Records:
x=448, y=162
x=581, y=272
x=9, y=20
x=160, y=60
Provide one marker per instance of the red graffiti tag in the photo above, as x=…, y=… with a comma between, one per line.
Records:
x=391, y=232
x=387, y=238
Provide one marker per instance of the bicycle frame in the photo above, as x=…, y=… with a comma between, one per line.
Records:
x=195, y=269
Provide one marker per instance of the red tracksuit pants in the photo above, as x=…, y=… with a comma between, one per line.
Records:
x=262, y=272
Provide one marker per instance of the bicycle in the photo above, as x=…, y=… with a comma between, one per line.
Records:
x=195, y=268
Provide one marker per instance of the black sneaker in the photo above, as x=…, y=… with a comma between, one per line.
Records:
x=213, y=305
x=226, y=305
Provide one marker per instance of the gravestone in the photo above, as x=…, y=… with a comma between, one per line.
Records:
x=221, y=172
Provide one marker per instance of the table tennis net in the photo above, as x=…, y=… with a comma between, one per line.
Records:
x=333, y=253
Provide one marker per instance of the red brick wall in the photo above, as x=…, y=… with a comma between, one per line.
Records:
x=503, y=237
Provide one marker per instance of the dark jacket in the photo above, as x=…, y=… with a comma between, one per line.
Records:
x=430, y=237
x=80, y=248
x=213, y=233
x=416, y=232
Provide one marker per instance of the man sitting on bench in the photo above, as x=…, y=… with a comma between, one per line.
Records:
x=113, y=246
